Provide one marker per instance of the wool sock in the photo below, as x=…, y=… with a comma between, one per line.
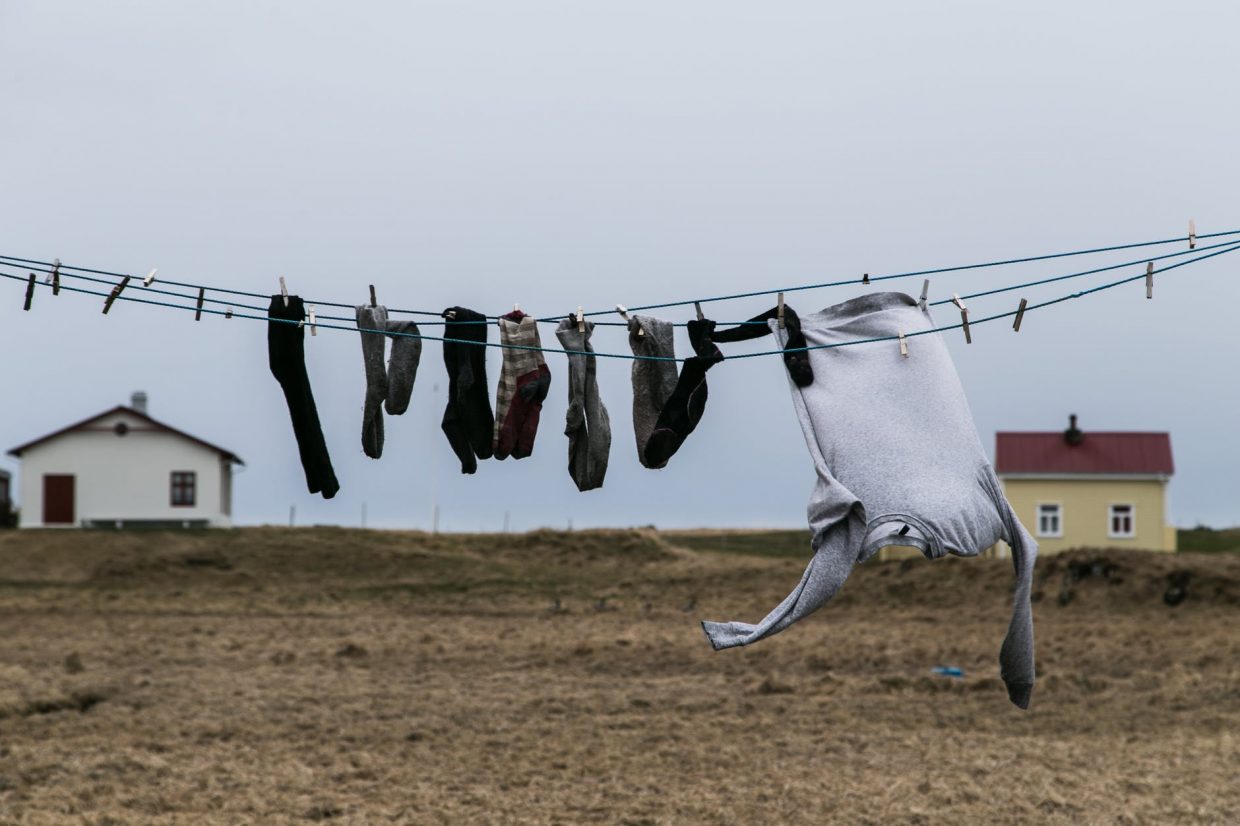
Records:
x=373, y=344
x=402, y=365
x=587, y=424
x=653, y=381
x=796, y=358
x=684, y=408
x=287, y=359
x=467, y=419
x=523, y=384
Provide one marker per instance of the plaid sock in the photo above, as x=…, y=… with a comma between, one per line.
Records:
x=523, y=384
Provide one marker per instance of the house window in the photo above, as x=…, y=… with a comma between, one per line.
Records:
x=183, y=485
x=1050, y=520
x=1120, y=522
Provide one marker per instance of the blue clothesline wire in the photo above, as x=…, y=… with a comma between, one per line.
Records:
x=966, y=297
x=1227, y=248
x=939, y=270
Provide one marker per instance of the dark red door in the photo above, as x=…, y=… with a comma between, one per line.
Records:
x=57, y=499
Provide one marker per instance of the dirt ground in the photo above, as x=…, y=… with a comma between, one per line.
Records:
x=278, y=676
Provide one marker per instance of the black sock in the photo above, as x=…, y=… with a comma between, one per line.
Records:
x=796, y=358
x=287, y=359
x=467, y=420
x=684, y=408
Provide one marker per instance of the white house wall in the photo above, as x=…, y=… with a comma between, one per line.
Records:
x=124, y=477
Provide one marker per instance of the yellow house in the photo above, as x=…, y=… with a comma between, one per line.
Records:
x=1097, y=490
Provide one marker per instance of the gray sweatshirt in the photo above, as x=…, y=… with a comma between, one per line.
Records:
x=899, y=462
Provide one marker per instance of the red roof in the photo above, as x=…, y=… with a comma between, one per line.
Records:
x=1120, y=453
x=157, y=425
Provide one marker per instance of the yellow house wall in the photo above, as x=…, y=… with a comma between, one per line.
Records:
x=1084, y=513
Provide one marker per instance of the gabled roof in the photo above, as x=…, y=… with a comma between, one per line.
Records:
x=120, y=408
x=1123, y=453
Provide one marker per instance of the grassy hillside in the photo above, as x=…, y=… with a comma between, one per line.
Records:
x=1209, y=540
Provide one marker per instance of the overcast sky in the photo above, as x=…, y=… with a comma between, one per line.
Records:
x=565, y=153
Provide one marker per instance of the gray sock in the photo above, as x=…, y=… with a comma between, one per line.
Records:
x=373, y=318
x=402, y=365
x=588, y=426
x=653, y=381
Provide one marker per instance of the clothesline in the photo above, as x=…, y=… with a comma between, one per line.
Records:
x=967, y=296
x=1219, y=249
x=73, y=271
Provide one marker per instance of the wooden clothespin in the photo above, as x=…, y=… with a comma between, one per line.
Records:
x=697, y=308
x=925, y=292
x=903, y=345
x=624, y=313
x=964, y=318
x=29, y=292
x=284, y=290
x=1020, y=314
x=228, y=313
x=202, y=291
x=115, y=294
x=865, y=278
x=150, y=277
x=581, y=320
x=1192, y=234
x=314, y=331
x=373, y=301
x=779, y=310
x=55, y=276
x=1149, y=279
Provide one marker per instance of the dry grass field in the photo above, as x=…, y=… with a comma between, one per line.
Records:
x=294, y=676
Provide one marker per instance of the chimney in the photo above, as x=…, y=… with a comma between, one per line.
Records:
x=138, y=402
x=1073, y=434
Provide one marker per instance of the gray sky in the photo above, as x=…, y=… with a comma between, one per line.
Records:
x=565, y=153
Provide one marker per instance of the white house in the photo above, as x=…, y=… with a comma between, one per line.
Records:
x=122, y=468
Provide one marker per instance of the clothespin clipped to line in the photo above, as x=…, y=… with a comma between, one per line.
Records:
x=624, y=313
x=373, y=301
x=29, y=292
x=284, y=290
x=697, y=308
x=115, y=294
x=925, y=293
x=202, y=291
x=865, y=278
x=54, y=277
x=964, y=318
x=1149, y=279
x=314, y=331
x=150, y=277
x=1020, y=314
x=779, y=312
x=580, y=316
x=1192, y=234
x=903, y=345
x=516, y=308
x=228, y=313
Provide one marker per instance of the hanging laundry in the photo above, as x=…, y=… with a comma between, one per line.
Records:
x=467, y=419
x=587, y=424
x=524, y=381
x=287, y=359
x=899, y=462
x=654, y=381
x=796, y=359
x=683, y=410
x=387, y=388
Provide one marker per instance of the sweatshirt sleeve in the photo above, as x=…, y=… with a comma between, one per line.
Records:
x=1016, y=663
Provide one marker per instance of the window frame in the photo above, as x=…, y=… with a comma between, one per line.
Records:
x=191, y=487
x=1132, y=520
x=1037, y=521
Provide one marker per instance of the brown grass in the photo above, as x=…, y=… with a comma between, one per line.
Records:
x=277, y=676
